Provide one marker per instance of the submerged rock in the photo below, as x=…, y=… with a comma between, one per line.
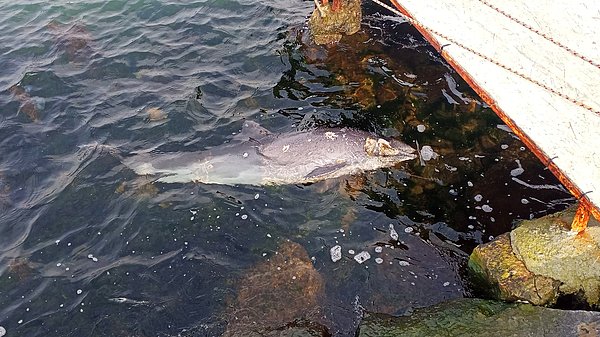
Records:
x=279, y=295
x=476, y=317
x=327, y=26
x=540, y=261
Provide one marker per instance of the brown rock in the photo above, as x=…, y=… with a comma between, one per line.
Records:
x=276, y=294
x=327, y=26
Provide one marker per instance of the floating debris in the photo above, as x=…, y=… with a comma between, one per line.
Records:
x=362, y=257
x=421, y=128
x=2, y=331
x=378, y=260
x=378, y=249
x=336, y=253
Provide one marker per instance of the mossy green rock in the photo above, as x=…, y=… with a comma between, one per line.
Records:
x=327, y=26
x=548, y=248
x=476, y=317
x=540, y=261
x=497, y=271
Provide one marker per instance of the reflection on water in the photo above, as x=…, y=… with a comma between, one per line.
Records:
x=89, y=248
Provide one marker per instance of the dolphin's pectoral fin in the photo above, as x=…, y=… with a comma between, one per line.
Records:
x=325, y=170
x=252, y=131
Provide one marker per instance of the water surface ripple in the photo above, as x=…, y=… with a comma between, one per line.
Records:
x=87, y=248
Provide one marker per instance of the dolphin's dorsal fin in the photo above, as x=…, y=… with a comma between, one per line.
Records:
x=251, y=131
x=323, y=170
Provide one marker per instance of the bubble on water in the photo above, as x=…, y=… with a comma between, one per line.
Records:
x=427, y=153
x=245, y=216
x=351, y=251
x=404, y=263
x=79, y=291
x=524, y=201
x=362, y=257
x=20, y=321
x=378, y=260
x=378, y=249
x=2, y=331
x=446, y=284
x=471, y=227
x=478, y=197
x=408, y=230
x=470, y=184
x=421, y=128
x=256, y=196
x=504, y=146
x=245, y=155
x=486, y=208
x=336, y=253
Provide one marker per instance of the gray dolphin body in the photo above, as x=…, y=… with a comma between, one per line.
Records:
x=257, y=157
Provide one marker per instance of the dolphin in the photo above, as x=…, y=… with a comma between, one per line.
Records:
x=258, y=157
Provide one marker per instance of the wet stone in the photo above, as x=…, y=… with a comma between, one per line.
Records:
x=498, y=272
x=277, y=294
x=547, y=247
x=476, y=317
x=327, y=26
x=540, y=261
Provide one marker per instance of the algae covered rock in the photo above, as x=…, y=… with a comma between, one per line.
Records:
x=476, y=317
x=327, y=26
x=540, y=261
x=548, y=248
x=501, y=274
x=279, y=297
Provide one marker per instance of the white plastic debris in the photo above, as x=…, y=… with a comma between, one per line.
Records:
x=362, y=257
x=486, y=208
x=336, y=253
x=478, y=197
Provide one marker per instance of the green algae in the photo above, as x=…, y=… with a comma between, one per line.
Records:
x=476, y=317
x=548, y=248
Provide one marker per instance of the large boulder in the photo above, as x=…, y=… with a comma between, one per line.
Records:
x=540, y=261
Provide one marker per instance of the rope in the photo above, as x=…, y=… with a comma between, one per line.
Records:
x=541, y=34
x=487, y=58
